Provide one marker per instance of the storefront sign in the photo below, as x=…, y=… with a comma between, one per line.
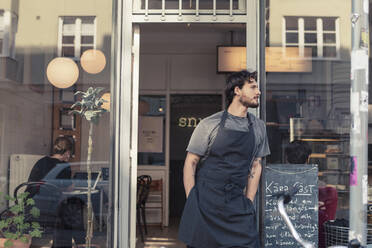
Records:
x=302, y=209
x=188, y=121
x=277, y=59
x=287, y=59
x=150, y=134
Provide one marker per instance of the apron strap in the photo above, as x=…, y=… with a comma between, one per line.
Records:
x=223, y=119
x=250, y=123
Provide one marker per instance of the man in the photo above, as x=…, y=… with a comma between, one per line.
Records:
x=228, y=146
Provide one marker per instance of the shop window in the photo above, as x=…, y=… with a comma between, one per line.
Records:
x=320, y=34
x=76, y=35
x=8, y=27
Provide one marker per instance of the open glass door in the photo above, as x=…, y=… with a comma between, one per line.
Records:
x=134, y=133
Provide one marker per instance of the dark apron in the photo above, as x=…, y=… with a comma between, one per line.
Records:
x=217, y=214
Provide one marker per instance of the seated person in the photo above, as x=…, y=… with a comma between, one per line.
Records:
x=297, y=152
x=68, y=212
x=62, y=152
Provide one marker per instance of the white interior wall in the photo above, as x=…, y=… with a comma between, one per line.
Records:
x=181, y=57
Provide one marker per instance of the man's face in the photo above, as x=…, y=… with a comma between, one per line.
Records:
x=249, y=94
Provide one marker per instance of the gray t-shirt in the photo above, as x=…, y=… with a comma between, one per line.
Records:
x=205, y=133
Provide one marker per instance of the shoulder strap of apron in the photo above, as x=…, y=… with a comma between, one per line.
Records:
x=223, y=119
x=250, y=123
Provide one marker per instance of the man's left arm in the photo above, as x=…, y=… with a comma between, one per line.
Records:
x=254, y=179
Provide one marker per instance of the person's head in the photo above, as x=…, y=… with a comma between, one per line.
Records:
x=243, y=88
x=62, y=147
x=297, y=152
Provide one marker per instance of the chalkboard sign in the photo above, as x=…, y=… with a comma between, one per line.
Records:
x=302, y=210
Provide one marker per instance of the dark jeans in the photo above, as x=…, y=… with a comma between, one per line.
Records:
x=69, y=224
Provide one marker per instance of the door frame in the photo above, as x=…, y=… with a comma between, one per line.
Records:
x=124, y=123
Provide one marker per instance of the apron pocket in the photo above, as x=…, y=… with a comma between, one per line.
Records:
x=250, y=205
x=191, y=191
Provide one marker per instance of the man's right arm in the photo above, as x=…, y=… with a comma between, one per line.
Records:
x=189, y=169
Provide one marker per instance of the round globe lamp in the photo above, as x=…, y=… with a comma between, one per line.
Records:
x=62, y=72
x=106, y=104
x=93, y=61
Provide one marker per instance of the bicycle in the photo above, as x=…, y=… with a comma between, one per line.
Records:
x=283, y=199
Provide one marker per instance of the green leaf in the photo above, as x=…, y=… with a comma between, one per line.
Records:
x=89, y=114
x=9, y=235
x=8, y=221
x=24, y=239
x=76, y=112
x=78, y=103
x=35, y=212
x=35, y=225
x=22, y=196
x=9, y=198
x=3, y=224
x=16, y=209
x=36, y=233
x=78, y=92
x=30, y=202
x=8, y=243
x=19, y=219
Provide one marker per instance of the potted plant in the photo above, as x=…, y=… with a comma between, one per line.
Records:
x=90, y=107
x=16, y=228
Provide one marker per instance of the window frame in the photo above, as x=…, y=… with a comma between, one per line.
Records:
x=8, y=29
x=77, y=34
x=319, y=31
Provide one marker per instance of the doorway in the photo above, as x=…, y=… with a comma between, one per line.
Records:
x=186, y=112
x=177, y=75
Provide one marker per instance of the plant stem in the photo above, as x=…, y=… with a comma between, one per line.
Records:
x=89, y=235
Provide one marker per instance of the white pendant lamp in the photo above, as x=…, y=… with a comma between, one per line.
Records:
x=93, y=61
x=62, y=72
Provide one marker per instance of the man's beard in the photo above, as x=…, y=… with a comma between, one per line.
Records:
x=248, y=104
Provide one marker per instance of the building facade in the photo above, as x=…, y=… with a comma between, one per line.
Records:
x=164, y=69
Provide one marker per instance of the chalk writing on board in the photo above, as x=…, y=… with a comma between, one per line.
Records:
x=302, y=210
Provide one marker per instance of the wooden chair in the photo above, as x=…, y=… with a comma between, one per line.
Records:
x=155, y=200
x=143, y=188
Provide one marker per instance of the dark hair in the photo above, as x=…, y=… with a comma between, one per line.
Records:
x=62, y=145
x=297, y=152
x=237, y=79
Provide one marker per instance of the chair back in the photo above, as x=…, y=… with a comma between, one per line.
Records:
x=143, y=189
x=47, y=198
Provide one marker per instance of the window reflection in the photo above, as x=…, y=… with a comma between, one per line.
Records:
x=312, y=105
x=34, y=113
